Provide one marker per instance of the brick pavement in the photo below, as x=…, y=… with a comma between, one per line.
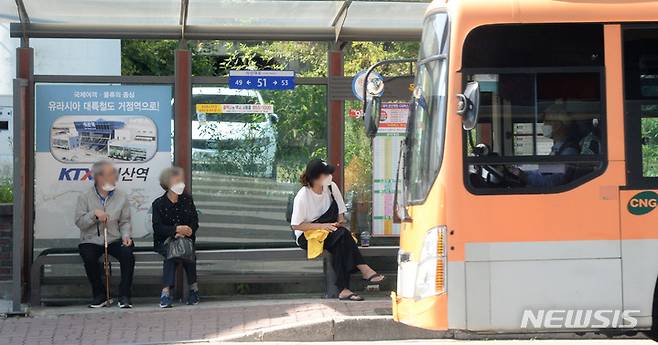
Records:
x=149, y=324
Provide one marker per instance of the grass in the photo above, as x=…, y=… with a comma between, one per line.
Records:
x=6, y=190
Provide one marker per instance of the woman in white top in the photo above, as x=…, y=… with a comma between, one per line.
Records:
x=319, y=205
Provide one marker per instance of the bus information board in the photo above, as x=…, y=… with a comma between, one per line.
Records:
x=261, y=80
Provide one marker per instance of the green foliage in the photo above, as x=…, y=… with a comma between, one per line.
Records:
x=242, y=288
x=156, y=57
x=650, y=147
x=358, y=154
x=6, y=190
x=307, y=59
x=301, y=130
x=361, y=55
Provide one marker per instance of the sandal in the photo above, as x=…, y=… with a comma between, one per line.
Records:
x=376, y=275
x=351, y=297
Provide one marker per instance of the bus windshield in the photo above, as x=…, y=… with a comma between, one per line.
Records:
x=425, y=133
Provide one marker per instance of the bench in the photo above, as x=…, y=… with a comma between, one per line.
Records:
x=61, y=256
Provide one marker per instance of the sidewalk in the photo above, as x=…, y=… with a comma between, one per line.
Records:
x=150, y=324
x=271, y=320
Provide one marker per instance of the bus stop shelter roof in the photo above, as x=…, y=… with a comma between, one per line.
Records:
x=217, y=19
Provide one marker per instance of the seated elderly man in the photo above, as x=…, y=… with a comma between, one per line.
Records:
x=102, y=205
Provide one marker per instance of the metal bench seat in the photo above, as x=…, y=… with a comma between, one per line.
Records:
x=60, y=256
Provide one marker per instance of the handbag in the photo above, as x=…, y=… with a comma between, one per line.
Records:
x=180, y=248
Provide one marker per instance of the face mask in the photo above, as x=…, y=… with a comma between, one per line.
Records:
x=547, y=130
x=108, y=187
x=178, y=188
x=327, y=181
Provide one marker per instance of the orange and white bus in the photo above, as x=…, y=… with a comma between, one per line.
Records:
x=529, y=182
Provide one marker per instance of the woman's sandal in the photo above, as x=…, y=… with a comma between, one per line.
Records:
x=376, y=275
x=351, y=297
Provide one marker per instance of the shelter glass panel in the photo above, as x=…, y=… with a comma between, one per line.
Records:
x=248, y=150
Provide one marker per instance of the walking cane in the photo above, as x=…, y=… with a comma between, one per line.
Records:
x=106, y=264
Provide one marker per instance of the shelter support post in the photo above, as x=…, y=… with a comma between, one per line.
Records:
x=183, y=130
x=23, y=173
x=335, y=136
x=183, y=114
x=335, y=114
x=20, y=91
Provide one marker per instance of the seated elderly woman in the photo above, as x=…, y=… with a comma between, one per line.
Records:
x=318, y=214
x=174, y=215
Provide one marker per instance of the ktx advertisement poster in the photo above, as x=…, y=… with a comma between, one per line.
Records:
x=79, y=124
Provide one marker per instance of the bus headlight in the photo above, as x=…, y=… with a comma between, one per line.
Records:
x=430, y=277
x=426, y=276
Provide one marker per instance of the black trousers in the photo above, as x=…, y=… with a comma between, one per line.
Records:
x=169, y=271
x=345, y=255
x=91, y=253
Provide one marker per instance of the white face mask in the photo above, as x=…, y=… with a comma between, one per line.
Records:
x=547, y=131
x=327, y=181
x=108, y=187
x=178, y=188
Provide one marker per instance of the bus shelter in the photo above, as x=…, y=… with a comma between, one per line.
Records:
x=336, y=23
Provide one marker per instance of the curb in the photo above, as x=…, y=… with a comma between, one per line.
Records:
x=379, y=328
x=356, y=328
x=383, y=328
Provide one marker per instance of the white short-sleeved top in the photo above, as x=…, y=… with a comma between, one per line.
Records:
x=309, y=205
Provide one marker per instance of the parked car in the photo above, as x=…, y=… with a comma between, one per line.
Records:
x=233, y=132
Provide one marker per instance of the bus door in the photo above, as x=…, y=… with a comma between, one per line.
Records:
x=639, y=198
x=546, y=235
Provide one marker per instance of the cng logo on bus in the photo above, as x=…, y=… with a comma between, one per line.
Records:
x=643, y=203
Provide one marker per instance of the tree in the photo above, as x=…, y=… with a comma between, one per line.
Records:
x=156, y=58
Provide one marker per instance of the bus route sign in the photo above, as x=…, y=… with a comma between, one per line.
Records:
x=261, y=80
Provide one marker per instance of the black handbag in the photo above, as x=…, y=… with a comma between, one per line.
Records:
x=180, y=248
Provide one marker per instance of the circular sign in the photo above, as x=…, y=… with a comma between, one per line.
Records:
x=375, y=85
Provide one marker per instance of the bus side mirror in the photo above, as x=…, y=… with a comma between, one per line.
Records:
x=371, y=116
x=468, y=105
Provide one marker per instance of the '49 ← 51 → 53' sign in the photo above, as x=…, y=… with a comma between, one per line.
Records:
x=261, y=80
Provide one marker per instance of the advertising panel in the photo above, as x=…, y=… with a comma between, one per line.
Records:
x=386, y=153
x=79, y=124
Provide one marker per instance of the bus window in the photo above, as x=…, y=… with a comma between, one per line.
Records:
x=641, y=108
x=540, y=127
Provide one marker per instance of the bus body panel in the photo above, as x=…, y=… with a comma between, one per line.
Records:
x=500, y=292
x=639, y=248
x=574, y=249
